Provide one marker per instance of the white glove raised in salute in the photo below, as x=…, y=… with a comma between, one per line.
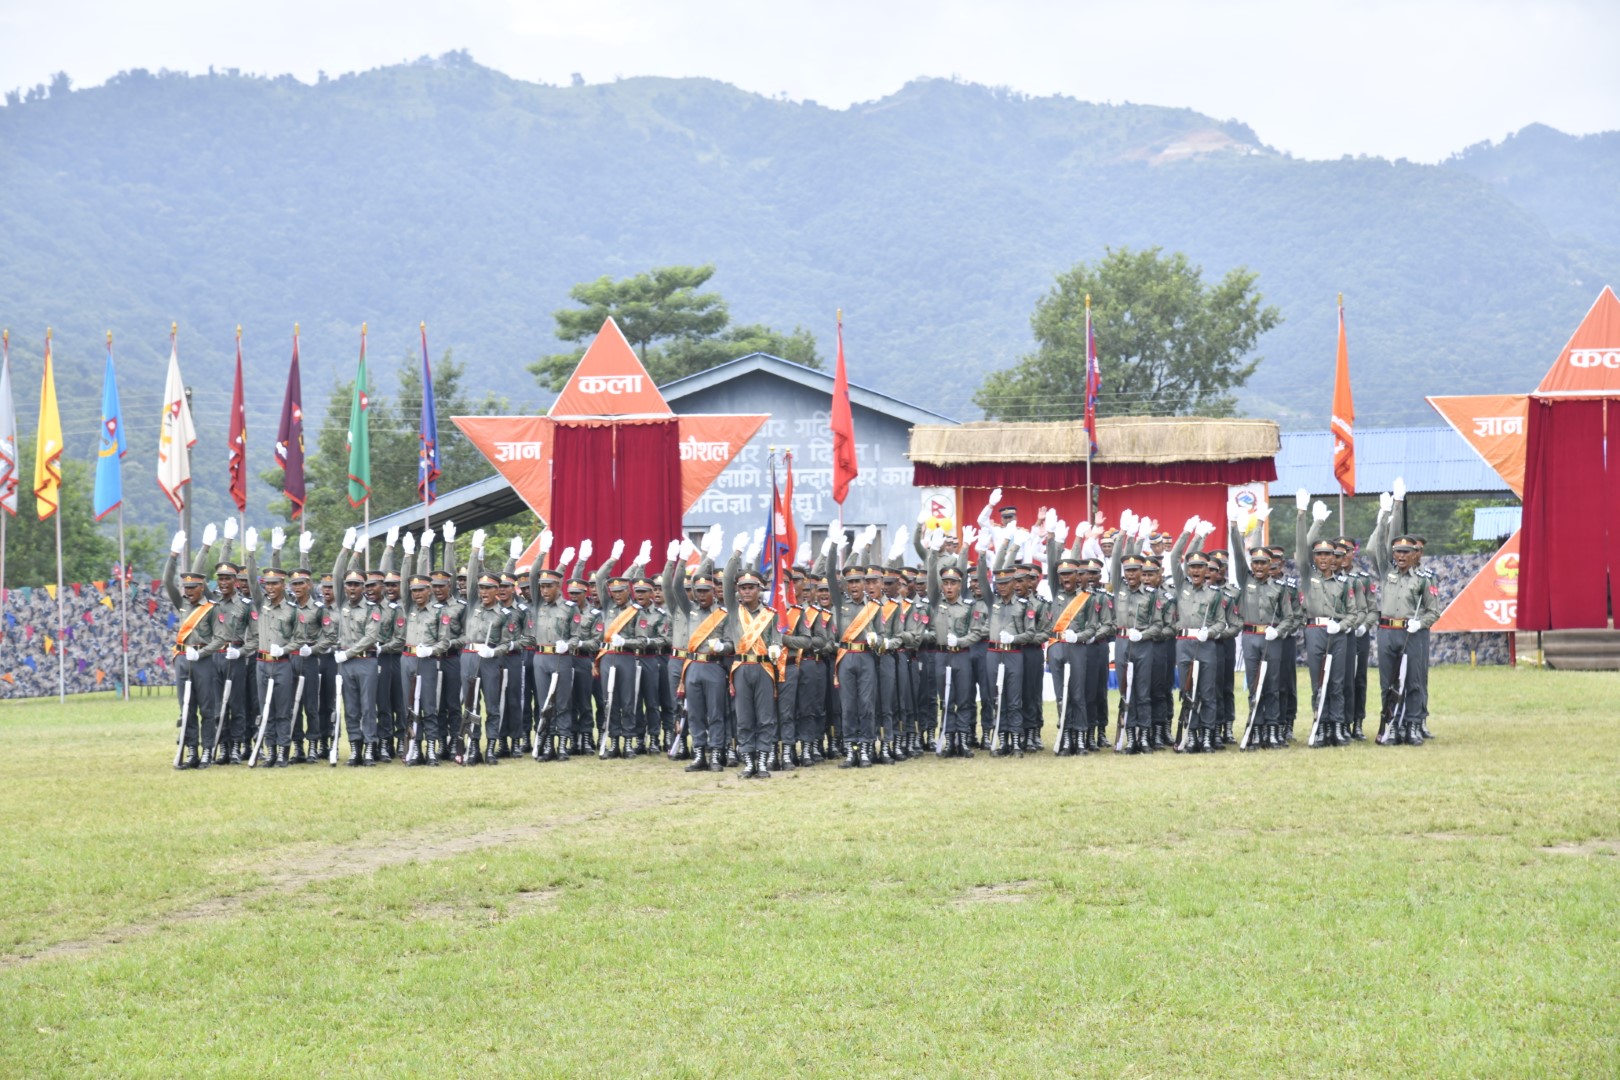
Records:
x=1319, y=512
x=305, y=542
x=360, y=541
x=478, y=538
x=644, y=553
x=449, y=532
x=1204, y=529
x=409, y=544
x=565, y=558
x=616, y=551
x=739, y=543
x=178, y=544
x=1399, y=489
x=392, y=537
x=1386, y=502
x=230, y=528
x=584, y=553
x=348, y=538
x=546, y=540
x=686, y=549
x=278, y=538
x=515, y=548
x=250, y=539
x=1302, y=499
x=210, y=534
x=672, y=550
x=427, y=538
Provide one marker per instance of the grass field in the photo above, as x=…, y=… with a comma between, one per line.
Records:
x=1449, y=910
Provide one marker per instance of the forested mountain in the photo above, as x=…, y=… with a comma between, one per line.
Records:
x=935, y=217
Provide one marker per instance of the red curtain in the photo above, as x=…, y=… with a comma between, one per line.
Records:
x=648, y=486
x=1565, y=549
x=1060, y=475
x=582, y=486
x=617, y=481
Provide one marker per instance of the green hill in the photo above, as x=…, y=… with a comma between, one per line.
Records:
x=935, y=217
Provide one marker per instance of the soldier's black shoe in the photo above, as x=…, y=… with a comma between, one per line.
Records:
x=731, y=755
x=699, y=763
x=864, y=761
x=236, y=754
x=962, y=747
x=881, y=755
x=747, y=772
x=562, y=749
x=851, y=757
x=385, y=750
x=1414, y=735
x=369, y=758
x=717, y=761
x=1035, y=744
x=1356, y=734
x=762, y=769
x=281, y=757
x=354, y=754
x=204, y=758
x=547, y=749
x=431, y=754
x=630, y=749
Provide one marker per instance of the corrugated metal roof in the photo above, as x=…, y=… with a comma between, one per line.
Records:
x=1495, y=522
x=1431, y=459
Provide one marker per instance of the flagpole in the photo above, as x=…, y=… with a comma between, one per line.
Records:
x=122, y=575
x=61, y=653
x=1090, y=453
x=302, y=514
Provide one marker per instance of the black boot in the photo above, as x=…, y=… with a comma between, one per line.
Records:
x=851, y=757
x=700, y=763
x=1214, y=740
x=717, y=761
x=731, y=755
x=865, y=759
x=762, y=770
x=1356, y=734
x=354, y=754
x=1414, y=734
x=385, y=750
x=491, y=752
x=747, y=766
x=238, y=753
x=281, y=757
x=432, y=753
x=204, y=758
x=1035, y=743
x=560, y=744
x=882, y=756
x=370, y=757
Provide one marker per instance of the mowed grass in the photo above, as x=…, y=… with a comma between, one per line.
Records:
x=1449, y=910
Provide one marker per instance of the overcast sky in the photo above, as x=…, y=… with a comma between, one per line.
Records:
x=1398, y=78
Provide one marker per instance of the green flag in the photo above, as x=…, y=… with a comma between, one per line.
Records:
x=360, y=433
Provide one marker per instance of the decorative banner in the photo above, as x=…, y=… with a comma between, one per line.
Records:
x=708, y=445
x=939, y=503
x=1251, y=499
x=1589, y=366
x=1495, y=426
x=520, y=448
x=609, y=381
x=1491, y=601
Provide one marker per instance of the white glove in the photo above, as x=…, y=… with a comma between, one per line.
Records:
x=1043, y=589
x=1070, y=637
x=1319, y=512
x=617, y=641
x=950, y=641
x=178, y=544
x=278, y=538
x=773, y=651
x=230, y=528
x=341, y=656
x=1191, y=526
x=250, y=539
x=1333, y=626
x=1302, y=498
x=449, y=532
x=922, y=516
x=644, y=553
x=192, y=654
x=305, y=542
x=486, y=653
x=561, y=645
x=1202, y=633
x=969, y=534
x=716, y=645
x=479, y=536
x=871, y=637
x=232, y=652
x=713, y=543
x=1263, y=513
x=408, y=542
x=756, y=543
x=546, y=540
x=1134, y=634
x=1144, y=528
x=1400, y=488
x=424, y=651
x=672, y=550
x=276, y=652
x=1061, y=533
x=829, y=545
x=995, y=497
x=1271, y=633
x=427, y=538
x=565, y=558
x=1205, y=528
x=210, y=534
x=686, y=549
x=898, y=548
x=305, y=650
x=1050, y=521
x=515, y=548
x=1234, y=512
x=1361, y=631
x=393, y=536
x=1414, y=625
x=739, y=543
x=802, y=556
x=361, y=539
x=1127, y=522
x=1386, y=502
x=1006, y=637
x=891, y=643
x=616, y=550
x=868, y=535
x=584, y=552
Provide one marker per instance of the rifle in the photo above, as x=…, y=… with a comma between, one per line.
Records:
x=1001, y=676
x=1321, y=701
x=1387, y=724
x=185, y=707
x=1189, y=702
x=412, y=753
x=541, y=720
x=469, y=713
x=635, y=695
x=1126, y=700
x=501, y=704
x=680, y=726
x=1254, y=705
x=607, y=713
x=219, y=725
x=1063, y=702
x=944, y=716
x=264, y=720
x=338, y=711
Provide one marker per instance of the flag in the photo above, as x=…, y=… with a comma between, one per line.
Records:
x=781, y=541
x=427, y=434
x=176, y=436
x=359, y=437
x=1093, y=380
x=238, y=435
x=109, y=458
x=48, y=453
x=1344, y=416
x=10, y=478
x=845, y=467
x=290, y=437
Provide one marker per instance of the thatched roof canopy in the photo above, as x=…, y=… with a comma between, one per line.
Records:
x=1146, y=440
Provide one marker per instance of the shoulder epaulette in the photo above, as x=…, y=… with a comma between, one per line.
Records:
x=1421, y=572
x=569, y=603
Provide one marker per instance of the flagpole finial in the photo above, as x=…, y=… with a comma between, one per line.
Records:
x=238, y=331
x=423, y=325
x=1341, y=299
x=174, y=328
x=295, y=329
x=362, y=329
x=109, y=339
x=47, y=335
x=1088, y=301
x=840, y=314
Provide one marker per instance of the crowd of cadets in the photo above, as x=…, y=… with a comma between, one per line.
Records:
x=876, y=663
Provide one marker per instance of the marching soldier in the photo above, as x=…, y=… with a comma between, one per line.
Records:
x=553, y=627
x=853, y=621
x=276, y=620
x=1408, y=604
x=700, y=651
x=955, y=625
x=193, y=653
x=360, y=626
x=419, y=669
x=1199, y=610
x=392, y=707
x=1261, y=609
x=1326, y=595
x=233, y=639
x=750, y=635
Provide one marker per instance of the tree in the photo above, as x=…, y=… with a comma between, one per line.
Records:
x=1168, y=345
x=664, y=305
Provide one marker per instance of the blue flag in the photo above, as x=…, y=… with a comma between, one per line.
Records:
x=109, y=467
x=427, y=459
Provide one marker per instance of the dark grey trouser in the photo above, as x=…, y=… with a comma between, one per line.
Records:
x=1160, y=684
x=905, y=670
x=412, y=669
x=706, y=693
x=326, y=664
x=1392, y=644
x=448, y=702
x=979, y=655
x=810, y=721
x=1033, y=697
x=486, y=674
x=1226, y=681
x=620, y=718
x=1069, y=663
x=1198, y=689
x=787, y=706
x=585, y=697
x=664, y=681
x=958, y=708
x=1288, y=680
x=1136, y=681
x=391, y=703
x=517, y=686
x=929, y=670
x=1257, y=650
x=888, y=694
x=857, y=697
x=360, y=677
x=649, y=706
x=1097, y=680
x=1362, y=647
x=557, y=717
x=202, y=714
x=756, y=707
x=1319, y=644
x=833, y=703
x=276, y=683
x=240, y=725
x=306, y=723
x=1012, y=690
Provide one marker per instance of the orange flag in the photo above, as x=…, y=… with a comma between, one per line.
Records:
x=1344, y=416
x=1491, y=601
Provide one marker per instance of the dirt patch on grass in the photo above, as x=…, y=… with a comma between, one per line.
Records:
x=1584, y=847
x=488, y=909
x=1006, y=892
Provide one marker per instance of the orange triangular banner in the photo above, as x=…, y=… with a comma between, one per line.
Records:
x=1491, y=601
x=708, y=445
x=609, y=381
x=1494, y=425
x=521, y=449
x=1589, y=366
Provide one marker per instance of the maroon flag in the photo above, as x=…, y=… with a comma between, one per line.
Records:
x=290, y=436
x=845, y=467
x=238, y=435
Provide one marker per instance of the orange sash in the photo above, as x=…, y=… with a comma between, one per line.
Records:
x=190, y=623
x=858, y=626
x=1069, y=614
x=706, y=629
x=750, y=641
x=620, y=621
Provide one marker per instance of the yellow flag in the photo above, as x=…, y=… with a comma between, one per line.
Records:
x=48, y=451
x=51, y=591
